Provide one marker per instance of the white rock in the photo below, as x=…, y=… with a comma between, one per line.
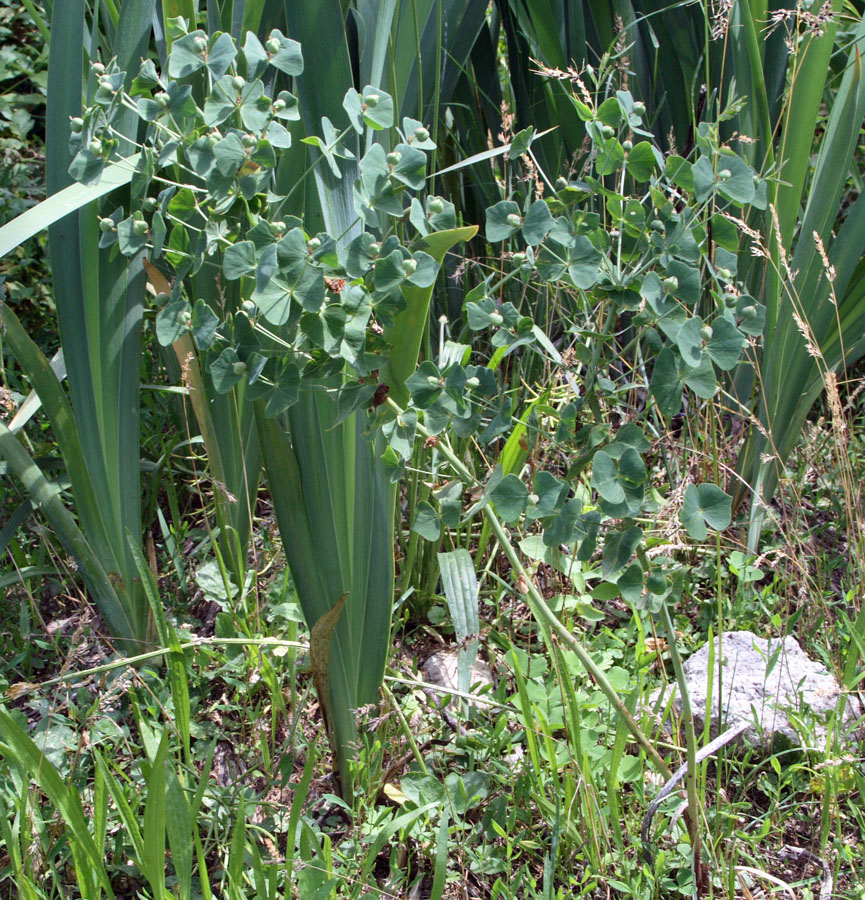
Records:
x=763, y=683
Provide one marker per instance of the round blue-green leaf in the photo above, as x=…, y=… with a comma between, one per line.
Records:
x=172, y=321
x=377, y=106
x=424, y=275
x=619, y=547
x=725, y=345
x=701, y=379
x=510, y=497
x=239, y=260
x=285, y=391
x=537, y=223
x=705, y=504
x=411, y=168
x=288, y=58
x=642, y=160
x=254, y=55
x=690, y=341
x=227, y=370
x=220, y=54
x=426, y=522
x=187, y=54
x=605, y=478
x=498, y=227
x=666, y=385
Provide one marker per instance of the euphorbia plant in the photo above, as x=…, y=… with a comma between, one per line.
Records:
x=311, y=330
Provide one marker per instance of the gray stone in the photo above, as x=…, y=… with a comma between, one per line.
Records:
x=763, y=684
x=442, y=669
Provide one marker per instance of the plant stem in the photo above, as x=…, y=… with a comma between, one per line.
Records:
x=544, y=616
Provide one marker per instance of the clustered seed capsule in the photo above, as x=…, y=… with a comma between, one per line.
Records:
x=313, y=244
x=639, y=108
x=514, y=220
x=272, y=46
x=409, y=266
x=671, y=283
x=139, y=226
x=394, y=157
x=496, y=318
x=371, y=100
x=435, y=205
x=200, y=44
x=76, y=124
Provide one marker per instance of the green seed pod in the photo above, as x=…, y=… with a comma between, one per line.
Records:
x=200, y=44
x=279, y=104
x=76, y=124
x=432, y=381
x=371, y=100
x=706, y=332
x=95, y=147
x=249, y=141
x=496, y=318
x=273, y=45
x=249, y=308
x=658, y=225
x=533, y=499
x=519, y=258
x=313, y=244
x=562, y=183
x=186, y=318
x=514, y=220
x=239, y=367
x=435, y=205
x=239, y=83
x=161, y=99
x=421, y=133
x=106, y=84
x=277, y=227
x=409, y=266
x=473, y=382
x=724, y=174
x=639, y=108
x=607, y=131
x=627, y=146
x=749, y=313
x=106, y=225
x=671, y=283
x=394, y=157
x=725, y=273
x=139, y=226
x=149, y=204
x=375, y=248
x=97, y=69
